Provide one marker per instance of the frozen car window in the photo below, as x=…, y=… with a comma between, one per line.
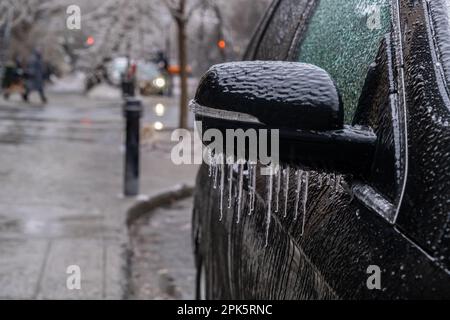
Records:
x=440, y=12
x=343, y=38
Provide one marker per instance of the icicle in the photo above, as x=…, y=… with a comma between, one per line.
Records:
x=210, y=161
x=305, y=198
x=216, y=159
x=269, y=205
x=230, y=184
x=252, y=187
x=222, y=185
x=278, y=173
x=299, y=174
x=240, y=187
x=286, y=189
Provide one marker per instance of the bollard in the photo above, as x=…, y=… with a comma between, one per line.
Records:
x=132, y=113
x=128, y=88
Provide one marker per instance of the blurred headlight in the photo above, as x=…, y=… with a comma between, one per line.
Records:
x=158, y=126
x=159, y=82
x=159, y=109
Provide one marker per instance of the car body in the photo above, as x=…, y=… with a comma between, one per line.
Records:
x=391, y=63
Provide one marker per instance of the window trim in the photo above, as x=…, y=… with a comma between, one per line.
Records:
x=260, y=31
x=294, y=49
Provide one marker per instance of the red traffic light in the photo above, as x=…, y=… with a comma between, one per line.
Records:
x=90, y=41
x=222, y=44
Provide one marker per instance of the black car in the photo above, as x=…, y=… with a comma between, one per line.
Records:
x=359, y=93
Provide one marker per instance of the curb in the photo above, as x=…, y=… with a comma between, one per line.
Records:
x=142, y=208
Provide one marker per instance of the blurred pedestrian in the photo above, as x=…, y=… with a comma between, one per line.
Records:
x=161, y=61
x=98, y=75
x=163, y=64
x=35, y=73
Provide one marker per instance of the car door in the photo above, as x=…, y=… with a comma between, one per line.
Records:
x=347, y=227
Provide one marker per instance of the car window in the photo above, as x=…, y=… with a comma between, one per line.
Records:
x=343, y=37
x=147, y=71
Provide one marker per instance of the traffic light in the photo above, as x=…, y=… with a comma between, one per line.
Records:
x=222, y=44
x=90, y=41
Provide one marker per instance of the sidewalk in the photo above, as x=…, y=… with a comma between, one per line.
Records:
x=162, y=262
x=60, y=204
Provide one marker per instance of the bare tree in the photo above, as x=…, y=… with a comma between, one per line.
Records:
x=181, y=15
x=181, y=12
x=19, y=19
x=123, y=27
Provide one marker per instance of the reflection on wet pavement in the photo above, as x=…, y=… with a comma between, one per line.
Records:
x=61, y=170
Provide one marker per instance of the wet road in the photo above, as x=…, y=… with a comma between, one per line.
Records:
x=61, y=172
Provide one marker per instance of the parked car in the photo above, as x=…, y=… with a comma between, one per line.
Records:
x=359, y=91
x=151, y=80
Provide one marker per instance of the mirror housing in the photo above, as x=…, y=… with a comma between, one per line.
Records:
x=278, y=94
x=300, y=100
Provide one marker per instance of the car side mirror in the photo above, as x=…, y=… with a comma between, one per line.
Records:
x=300, y=100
